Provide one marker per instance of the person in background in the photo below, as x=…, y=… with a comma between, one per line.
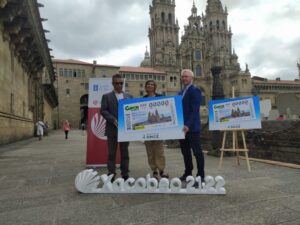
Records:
x=46, y=129
x=66, y=128
x=40, y=128
x=155, y=149
x=280, y=117
x=109, y=110
x=191, y=100
x=83, y=128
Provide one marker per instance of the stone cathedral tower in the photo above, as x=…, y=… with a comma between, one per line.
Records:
x=163, y=37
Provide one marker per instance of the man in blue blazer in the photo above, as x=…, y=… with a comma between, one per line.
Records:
x=191, y=100
x=109, y=110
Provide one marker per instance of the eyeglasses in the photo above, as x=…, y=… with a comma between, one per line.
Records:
x=118, y=83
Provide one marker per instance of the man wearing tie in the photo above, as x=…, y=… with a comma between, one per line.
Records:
x=109, y=110
x=191, y=100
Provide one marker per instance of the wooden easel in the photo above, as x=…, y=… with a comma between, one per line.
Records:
x=235, y=147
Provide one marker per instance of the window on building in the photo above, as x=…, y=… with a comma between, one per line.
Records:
x=141, y=93
x=171, y=79
x=74, y=73
x=197, y=55
x=67, y=81
x=86, y=86
x=65, y=72
x=132, y=76
x=137, y=76
x=154, y=77
x=61, y=72
x=163, y=78
x=158, y=78
x=83, y=73
x=170, y=18
x=127, y=76
x=142, y=76
x=146, y=76
x=150, y=77
x=163, y=93
x=141, y=85
x=126, y=84
x=163, y=85
x=23, y=109
x=79, y=73
x=162, y=17
x=70, y=73
x=68, y=91
x=12, y=102
x=198, y=71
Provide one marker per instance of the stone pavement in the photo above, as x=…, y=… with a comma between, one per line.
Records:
x=37, y=187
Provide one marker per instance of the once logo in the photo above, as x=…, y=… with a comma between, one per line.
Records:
x=219, y=107
x=98, y=126
x=132, y=108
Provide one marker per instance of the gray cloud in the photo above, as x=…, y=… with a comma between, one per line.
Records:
x=94, y=28
x=274, y=53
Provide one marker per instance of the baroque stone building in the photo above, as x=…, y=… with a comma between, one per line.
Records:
x=26, y=72
x=72, y=85
x=207, y=42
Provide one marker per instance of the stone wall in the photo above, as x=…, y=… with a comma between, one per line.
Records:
x=277, y=140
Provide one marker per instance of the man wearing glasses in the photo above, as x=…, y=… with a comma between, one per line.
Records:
x=109, y=110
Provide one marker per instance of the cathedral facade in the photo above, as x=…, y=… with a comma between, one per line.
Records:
x=206, y=42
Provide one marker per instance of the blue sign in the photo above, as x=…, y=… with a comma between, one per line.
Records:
x=234, y=114
x=153, y=118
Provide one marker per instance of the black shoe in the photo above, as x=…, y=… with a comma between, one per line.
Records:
x=113, y=178
x=184, y=176
x=196, y=184
x=125, y=177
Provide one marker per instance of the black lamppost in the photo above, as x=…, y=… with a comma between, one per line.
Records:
x=217, y=93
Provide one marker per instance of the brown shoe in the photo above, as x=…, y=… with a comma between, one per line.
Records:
x=155, y=175
x=163, y=175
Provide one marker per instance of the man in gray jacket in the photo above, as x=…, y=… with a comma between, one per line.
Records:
x=109, y=110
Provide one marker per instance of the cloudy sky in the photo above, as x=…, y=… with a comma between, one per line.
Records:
x=266, y=33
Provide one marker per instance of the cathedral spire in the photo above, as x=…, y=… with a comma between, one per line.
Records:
x=214, y=6
x=194, y=10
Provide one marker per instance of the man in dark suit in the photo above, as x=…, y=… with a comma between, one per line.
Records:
x=109, y=110
x=191, y=100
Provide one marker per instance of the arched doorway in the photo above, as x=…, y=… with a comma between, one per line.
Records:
x=84, y=99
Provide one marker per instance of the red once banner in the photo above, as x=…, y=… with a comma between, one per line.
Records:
x=97, y=151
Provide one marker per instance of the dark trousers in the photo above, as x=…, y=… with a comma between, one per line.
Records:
x=112, y=143
x=187, y=145
x=66, y=134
